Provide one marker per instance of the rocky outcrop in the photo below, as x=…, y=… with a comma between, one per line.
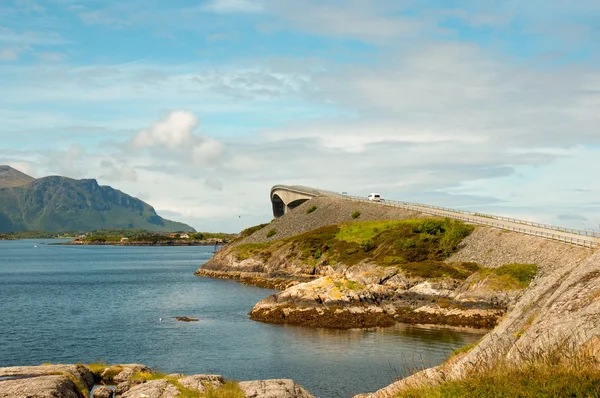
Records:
x=135, y=381
x=58, y=386
x=369, y=296
x=45, y=381
x=556, y=316
x=153, y=389
x=277, y=388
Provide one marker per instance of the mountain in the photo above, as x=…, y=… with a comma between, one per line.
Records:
x=63, y=204
x=10, y=177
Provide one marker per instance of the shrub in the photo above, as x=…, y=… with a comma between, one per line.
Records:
x=356, y=214
x=311, y=209
x=524, y=273
x=317, y=254
x=271, y=232
x=367, y=245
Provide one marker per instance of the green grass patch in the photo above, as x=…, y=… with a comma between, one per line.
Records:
x=523, y=273
x=311, y=209
x=271, y=233
x=356, y=214
x=417, y=246
x=244, y=252
x=530, y=381
x=104, y=372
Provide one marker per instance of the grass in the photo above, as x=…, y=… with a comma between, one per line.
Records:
x=523, y=273
x=271, y=233
x=102, y=371
x=356, y=214
x=533, y=380
x=508, y=276
x=418, y=247
x=311, y=209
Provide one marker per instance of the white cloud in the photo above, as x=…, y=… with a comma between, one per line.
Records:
x=173, y=131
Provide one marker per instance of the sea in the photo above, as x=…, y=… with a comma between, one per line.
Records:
x=117, y=304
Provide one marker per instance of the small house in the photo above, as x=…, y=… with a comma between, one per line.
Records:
x=124, y=239
x=184, y=236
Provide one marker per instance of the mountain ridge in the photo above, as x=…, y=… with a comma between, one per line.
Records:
x=60, y=204
x=10, y=177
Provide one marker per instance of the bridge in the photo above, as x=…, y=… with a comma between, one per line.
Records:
x=286, y=197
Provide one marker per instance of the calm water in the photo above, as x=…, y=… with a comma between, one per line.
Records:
x=68, y=304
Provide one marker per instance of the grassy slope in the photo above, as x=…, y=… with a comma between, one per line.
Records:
x=539, y=379
x=417, y=247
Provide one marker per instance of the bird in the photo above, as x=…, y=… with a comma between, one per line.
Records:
x=160, y=319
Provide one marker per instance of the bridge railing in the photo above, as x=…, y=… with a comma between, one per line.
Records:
x=553, y=232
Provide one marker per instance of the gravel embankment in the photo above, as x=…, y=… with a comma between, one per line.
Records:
x=329, y=211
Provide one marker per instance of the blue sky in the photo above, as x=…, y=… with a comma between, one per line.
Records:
x=198, y=107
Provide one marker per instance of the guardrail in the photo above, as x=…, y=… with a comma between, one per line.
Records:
x=491, y=220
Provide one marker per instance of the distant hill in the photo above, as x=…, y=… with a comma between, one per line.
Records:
x=64, y=204
x=10, y=177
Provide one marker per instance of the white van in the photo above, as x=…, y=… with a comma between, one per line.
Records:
x=375, y=197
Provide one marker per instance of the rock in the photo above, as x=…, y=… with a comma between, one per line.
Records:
x=79, y=373
x=186, y=319
x=196, y=382
x=103, y=392
x=43, y=386
x=277, y=388
x=122, y=388
x=129, y=370
x=153, y=389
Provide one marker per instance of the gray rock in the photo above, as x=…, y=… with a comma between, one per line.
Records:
x=196, y=382
x=103, y=392
x=153, y=389
x=79, y=373
x=44, y=386
x=277, y=388
x=128, y=371
x=123, y=387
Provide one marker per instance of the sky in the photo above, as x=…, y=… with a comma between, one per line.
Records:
x=200, y=107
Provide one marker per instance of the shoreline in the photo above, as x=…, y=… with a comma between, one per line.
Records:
x=157, y=243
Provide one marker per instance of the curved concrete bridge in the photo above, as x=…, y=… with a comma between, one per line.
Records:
x=286, y=197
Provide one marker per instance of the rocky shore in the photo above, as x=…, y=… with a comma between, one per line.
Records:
x=370, y=274
x=132, y=381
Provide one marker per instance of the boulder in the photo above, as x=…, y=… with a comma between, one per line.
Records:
x=79, y=373
x=129, y=370
x=196, y=382
x=103, y=392
x=43, y=386
x=153, y=389
x=277, y=388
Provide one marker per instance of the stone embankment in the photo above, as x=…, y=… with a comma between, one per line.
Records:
x=132, y=381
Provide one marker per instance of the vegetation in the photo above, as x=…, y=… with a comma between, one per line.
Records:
x=139, y=235
x=538, y=379
x=417, y=246
x=271, y=233
x=356, y=214
x=311, y=209
x=508, y=276
x=229, y=390
x=104, y=372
